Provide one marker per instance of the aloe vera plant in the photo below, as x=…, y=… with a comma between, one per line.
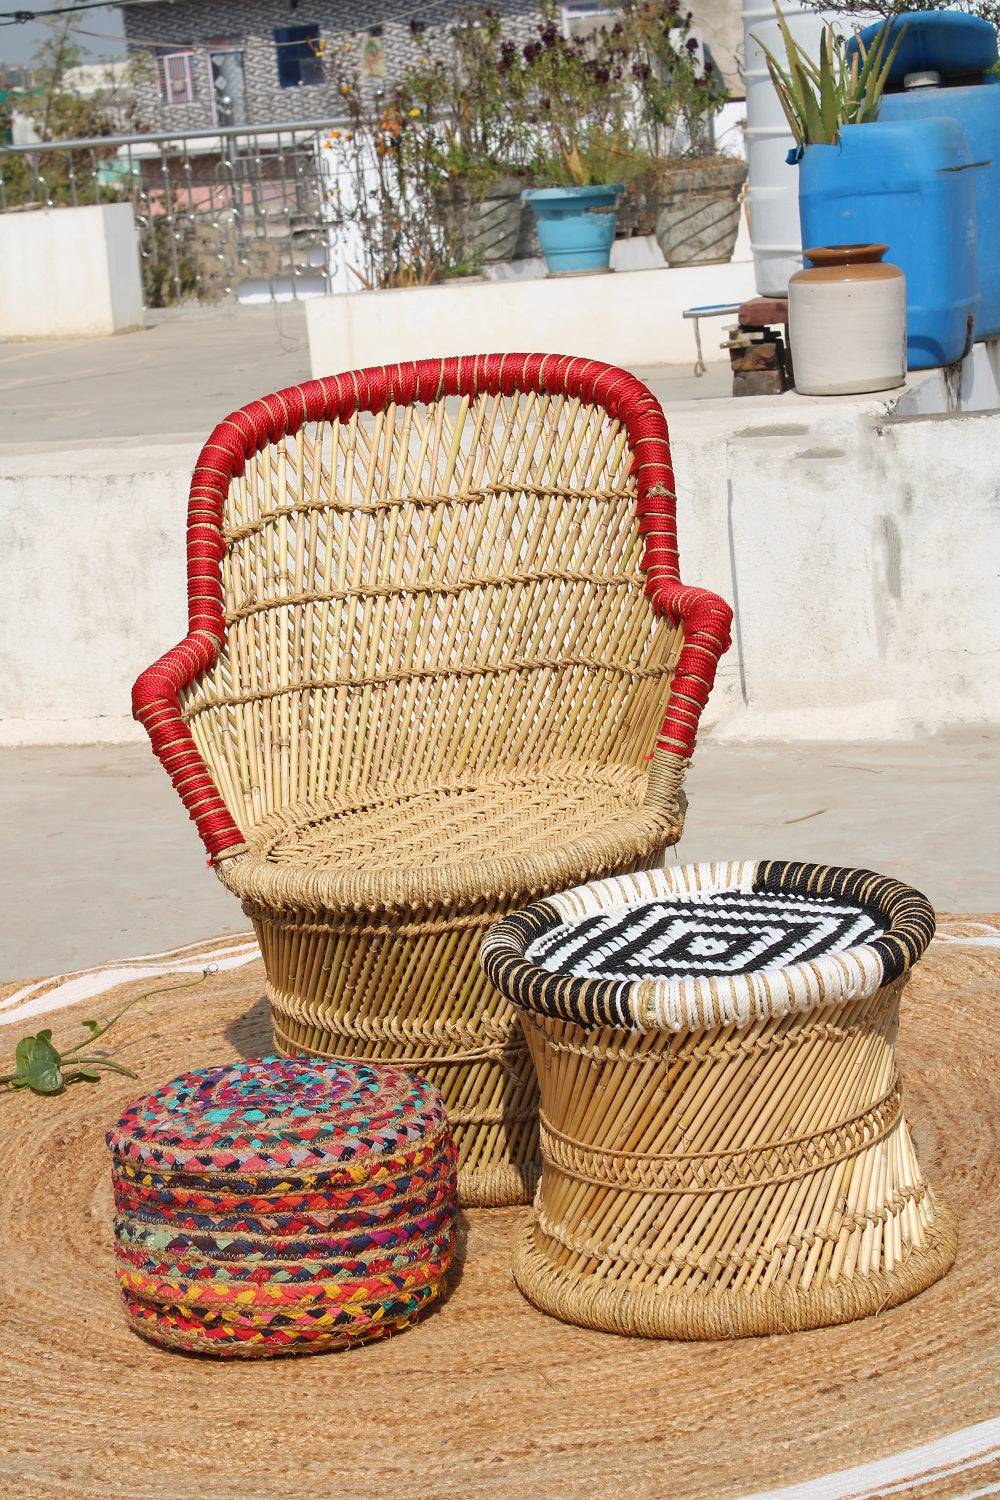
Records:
x=818, y=98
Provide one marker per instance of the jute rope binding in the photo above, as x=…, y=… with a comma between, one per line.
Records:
x=440, y=662
x=722, y=1155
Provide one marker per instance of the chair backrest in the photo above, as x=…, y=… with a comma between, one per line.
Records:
x=419, y=573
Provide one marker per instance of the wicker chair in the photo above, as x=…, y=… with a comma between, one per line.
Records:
x=439, y=663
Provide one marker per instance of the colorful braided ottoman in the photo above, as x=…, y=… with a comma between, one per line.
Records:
x=724, y=1151
x=282, y=1206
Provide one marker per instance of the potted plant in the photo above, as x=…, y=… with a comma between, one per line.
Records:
x=480, y=145
x=843, y=88
x=573, y=93
x=693, y=192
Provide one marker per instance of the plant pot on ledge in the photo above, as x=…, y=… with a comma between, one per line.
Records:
x=699, y=215
x=487, y=219
x=576, y=226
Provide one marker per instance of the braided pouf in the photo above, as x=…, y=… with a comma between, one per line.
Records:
x=724, y=1151
x=279, y=1206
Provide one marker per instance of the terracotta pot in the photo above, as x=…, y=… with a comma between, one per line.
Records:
x=847, y=322
x=699, y=216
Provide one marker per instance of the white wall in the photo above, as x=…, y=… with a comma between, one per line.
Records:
x=93, y=547
x=861, y=549
x=862, y=552
x=69, y=272
x=629, y=317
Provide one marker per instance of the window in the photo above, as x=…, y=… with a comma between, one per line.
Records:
x=581, y=17
x=177, y=77
x=298, y=62
x=229, y=85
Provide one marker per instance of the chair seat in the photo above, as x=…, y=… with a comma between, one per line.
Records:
x=461, y=842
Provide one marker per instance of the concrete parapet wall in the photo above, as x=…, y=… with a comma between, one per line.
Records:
x=94, y=547
x=861, y=549
x=69, y=272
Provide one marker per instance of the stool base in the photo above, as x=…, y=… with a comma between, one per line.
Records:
x=644, y=1312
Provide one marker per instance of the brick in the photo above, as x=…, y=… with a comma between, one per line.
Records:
x=764, y=312
x=758, y=383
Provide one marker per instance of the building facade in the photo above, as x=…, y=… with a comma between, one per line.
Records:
x=258, y=62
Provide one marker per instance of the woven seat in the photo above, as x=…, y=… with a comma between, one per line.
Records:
x=409, y=847
x=439, y=663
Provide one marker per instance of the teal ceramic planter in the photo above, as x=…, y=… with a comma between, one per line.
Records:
x=576, y=226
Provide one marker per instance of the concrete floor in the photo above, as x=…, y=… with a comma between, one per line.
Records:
x=101, y=862
x=187, y=370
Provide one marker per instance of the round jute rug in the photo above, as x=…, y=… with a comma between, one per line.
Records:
x=484, y=1397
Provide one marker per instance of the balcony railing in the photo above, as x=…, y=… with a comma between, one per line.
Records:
x=214, y=208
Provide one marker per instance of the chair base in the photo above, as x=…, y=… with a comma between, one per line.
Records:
x=498, y=1162
x=643, y=1311
x=408, y=988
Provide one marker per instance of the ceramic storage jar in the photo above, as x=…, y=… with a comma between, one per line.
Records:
x=847, y=322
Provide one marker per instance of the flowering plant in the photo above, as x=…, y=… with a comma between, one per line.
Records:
x=465, y=94
x=679, y=87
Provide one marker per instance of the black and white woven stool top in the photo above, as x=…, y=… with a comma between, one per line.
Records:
x=697, y=945
x=730, y=932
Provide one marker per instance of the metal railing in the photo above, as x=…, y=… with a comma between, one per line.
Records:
x=214, y=207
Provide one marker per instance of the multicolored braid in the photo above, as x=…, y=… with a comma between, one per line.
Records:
x=282, y=1206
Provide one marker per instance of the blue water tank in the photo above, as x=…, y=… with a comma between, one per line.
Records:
x=949, y=42
x=959, y=48
x=912, y=186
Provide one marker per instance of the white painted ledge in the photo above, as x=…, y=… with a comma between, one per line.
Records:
x=626, y=317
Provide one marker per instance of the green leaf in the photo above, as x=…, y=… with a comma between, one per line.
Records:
x=787, y=103
x=39, y=1062
x=91, y=1026
x=811, y=115
x=876, y=85
x=796, y=57
x=787, y=92
x=829, y=94
x=803, y=77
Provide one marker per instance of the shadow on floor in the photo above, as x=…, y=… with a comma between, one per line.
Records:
x=250, y=1034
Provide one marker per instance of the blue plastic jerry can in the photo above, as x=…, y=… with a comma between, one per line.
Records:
x=910, y=184
x=941, y=71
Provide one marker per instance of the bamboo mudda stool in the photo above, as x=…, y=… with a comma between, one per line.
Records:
x=439, y=663
x=724, y=1150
